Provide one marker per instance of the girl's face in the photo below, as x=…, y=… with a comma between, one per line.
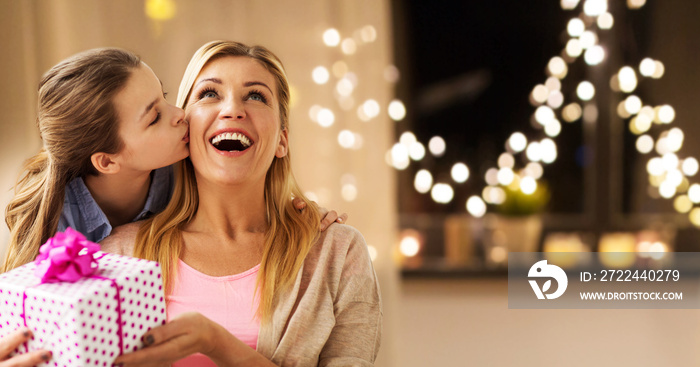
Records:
x=154, y=132
x=234, y=119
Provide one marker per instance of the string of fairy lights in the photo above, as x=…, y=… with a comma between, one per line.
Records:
x=668, y=173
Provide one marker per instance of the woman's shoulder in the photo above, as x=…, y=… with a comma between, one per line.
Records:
x=121, y=240
x=340, y=243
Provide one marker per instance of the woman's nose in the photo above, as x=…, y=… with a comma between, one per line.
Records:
x=232, y=109
x=179, y=116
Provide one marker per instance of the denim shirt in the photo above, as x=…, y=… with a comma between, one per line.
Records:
x=81, y=212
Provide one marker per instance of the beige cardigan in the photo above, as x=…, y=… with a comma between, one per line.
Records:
x=331, y=316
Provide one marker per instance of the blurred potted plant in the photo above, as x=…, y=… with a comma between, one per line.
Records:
x=516, y=225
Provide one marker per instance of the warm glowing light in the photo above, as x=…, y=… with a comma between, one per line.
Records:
x=658, y=70
x=544, y=114
x=331, y=37
x=605, y=21
x=397, y=111
x=552, y=83
x=399, y=156
x=346, y=139
x=553, y=128
x=575, y=27
x=666, y=114
x=410, y=246
x=442, y=193
x=476, y=207
x=348, y=46
x=416, y=151
x=667, y=190
x=548, y=150
x=674, y=177
x=348, y=192
x=325, y=117
x=491, y=176
x=493, y=195
x=555, y=99
x=573, y=48
x=585, y=91
x=655, y=166
x=569, y=4
x=339, y=68
x=557, y=67
x=320, y=75
x=372, y=252
x=517, y=142
x=391, y=74
x=534, y=170
x=682, y=204
x=506, y=160
x=346, y=103
x=460, y=172
x=594, y=8
x=371, y=108
x=642, y=123
x=160, y=9
x=505, y=176
x=628, y=79
x=675, y=139
x=670, y=161
x=436, y=145
x=588, y=39
x=533, y=152
x=540, y=93
x=423, y=181
x=344, y=87
x=694, y=193
x=633, y=104
x=313, y=112
x=590, y=113
x=407, y=138
x=528, y=185
x=571, y=112
x=636, y=4
x=368, y=34
x=594, y=55
x=645, y=144
x=695, y=217
x=690, y=166
x=647, y=67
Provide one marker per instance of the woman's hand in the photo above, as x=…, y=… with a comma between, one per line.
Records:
x=186, y=334
x=191, y=333
x=14, y=340
x=327, y=217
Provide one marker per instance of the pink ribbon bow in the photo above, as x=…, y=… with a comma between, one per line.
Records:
x=66, y=257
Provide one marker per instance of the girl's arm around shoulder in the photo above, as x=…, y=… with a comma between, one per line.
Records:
x=121, y=240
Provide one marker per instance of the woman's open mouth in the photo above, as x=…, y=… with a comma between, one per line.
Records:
x=231, y=142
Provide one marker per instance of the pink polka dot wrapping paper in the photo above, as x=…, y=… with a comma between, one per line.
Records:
x=78, y=321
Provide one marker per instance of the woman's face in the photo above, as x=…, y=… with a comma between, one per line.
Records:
x=154, y=131
x=234, y=119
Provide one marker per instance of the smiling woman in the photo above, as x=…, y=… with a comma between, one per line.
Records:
x=245, y=273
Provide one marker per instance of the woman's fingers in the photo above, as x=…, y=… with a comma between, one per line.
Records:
x=28, y=359
x=330, y=217
x=342, y=218
x=299, y=204
x=13, y=340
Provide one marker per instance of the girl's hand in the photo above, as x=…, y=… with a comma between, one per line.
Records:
x=186, y=334
x=327, y=217
x=14, y=340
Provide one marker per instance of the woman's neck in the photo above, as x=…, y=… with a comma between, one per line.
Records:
x=230, y=210
x=120, y=196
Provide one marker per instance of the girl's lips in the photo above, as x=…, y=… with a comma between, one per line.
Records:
x=186, y=138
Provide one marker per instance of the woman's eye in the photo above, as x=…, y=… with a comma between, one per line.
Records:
x=257, y=96
x=209, y=95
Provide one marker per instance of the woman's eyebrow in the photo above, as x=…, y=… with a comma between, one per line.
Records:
x=213, y=80
x=250, y=84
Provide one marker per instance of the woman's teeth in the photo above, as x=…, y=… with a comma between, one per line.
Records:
x=231, y=141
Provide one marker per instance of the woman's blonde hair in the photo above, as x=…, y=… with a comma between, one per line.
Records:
x=76, y=118
x=290, y=234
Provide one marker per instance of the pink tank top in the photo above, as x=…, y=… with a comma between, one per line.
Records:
x=230, y=301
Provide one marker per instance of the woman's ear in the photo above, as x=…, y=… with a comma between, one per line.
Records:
x=105, y=163
x=282, y=147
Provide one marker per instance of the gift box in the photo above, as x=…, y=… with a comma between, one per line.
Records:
x=86, y=311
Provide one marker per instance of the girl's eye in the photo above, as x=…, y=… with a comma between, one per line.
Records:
x=156, y=119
